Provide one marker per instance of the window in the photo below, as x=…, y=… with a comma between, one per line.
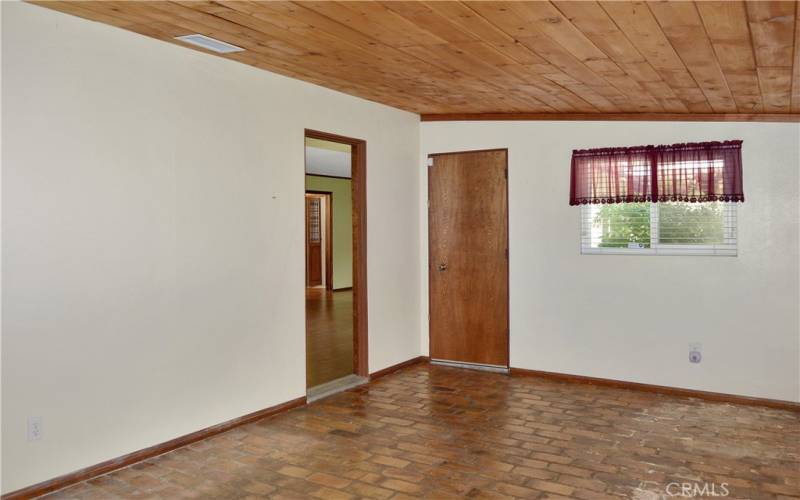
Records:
x=678, y=199
x=659, y=228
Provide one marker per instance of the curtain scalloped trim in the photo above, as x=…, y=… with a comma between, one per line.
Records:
x=648, y=199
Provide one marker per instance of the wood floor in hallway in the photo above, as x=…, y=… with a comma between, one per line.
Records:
x=329, y=335
x=439, y=432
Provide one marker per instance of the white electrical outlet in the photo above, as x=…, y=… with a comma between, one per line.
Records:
x=34, y=428
x=695, y=352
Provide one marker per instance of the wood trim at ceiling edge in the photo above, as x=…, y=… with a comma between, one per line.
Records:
x=671, y=117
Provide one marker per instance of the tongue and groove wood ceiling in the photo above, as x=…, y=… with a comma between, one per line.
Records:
x=726, y=57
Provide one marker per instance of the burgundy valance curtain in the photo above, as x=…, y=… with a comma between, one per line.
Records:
x=691, y=172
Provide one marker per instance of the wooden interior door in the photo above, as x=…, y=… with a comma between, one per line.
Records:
x=468, y=257
x=313, y=241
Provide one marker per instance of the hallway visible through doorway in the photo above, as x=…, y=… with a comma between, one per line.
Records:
x=329, y=335
x=331, y=345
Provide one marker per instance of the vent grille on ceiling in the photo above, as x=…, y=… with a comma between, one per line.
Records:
x=209, y=43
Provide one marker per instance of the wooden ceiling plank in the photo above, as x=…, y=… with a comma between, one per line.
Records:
x=639, y=25
x=641, y=99
x=425, y=18
x=668, y=99
x=554, y=24
x=552, y=94
x=552, y=100
x=254, y=29
x=746, y=90
x=776, y=88
x=563, y=35
x=328, y=65
x=549, y=21
x=485, y=60
x=287, y=15
x=694, y=99
x=598, y=26
x=517, y=20
x=317, y=45
x=77, y=8
x=470, y=21
x=772, y=28
x=463, y=17
x=727, y=27
x=283, y=13
x=513, y=78
x=375, y=20
x=376, y=72
x=463, y=59
x=684, y=29
x=561, y=59
x=345, y=53
x=143, y=13
x=606, y=102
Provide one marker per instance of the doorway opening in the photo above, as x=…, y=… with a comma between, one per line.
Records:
x=335, y=255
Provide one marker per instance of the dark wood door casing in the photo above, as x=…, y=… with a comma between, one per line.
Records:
x=358, y=165
x=468, y=257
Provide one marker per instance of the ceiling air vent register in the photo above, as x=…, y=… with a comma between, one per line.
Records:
x=209, y=43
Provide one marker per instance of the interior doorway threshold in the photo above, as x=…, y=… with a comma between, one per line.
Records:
x=470, y=366
x=334, y=386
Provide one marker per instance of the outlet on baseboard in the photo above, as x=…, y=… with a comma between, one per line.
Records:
x=34, y=428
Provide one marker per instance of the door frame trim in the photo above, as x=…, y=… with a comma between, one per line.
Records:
x=328, y=236
x=358, y=186
x=508, y=251
x=430, y=155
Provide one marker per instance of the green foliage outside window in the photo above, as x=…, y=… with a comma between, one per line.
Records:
x=691, y=223
x=623, y=223
x=679, y=223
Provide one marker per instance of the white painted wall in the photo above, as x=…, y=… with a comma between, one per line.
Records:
x=153, y=238
x=632, y=318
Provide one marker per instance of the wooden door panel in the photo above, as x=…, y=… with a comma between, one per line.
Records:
x=313, y=241
x=314, y=265
x=468, y=267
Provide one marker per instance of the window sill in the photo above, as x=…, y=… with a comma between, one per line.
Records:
x=672, y=250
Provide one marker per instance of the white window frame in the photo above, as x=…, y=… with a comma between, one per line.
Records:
x=727, y=249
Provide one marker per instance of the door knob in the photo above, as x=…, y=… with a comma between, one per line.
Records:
x=442, y=267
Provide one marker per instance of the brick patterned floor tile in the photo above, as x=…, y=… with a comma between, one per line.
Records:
x=438, y=432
